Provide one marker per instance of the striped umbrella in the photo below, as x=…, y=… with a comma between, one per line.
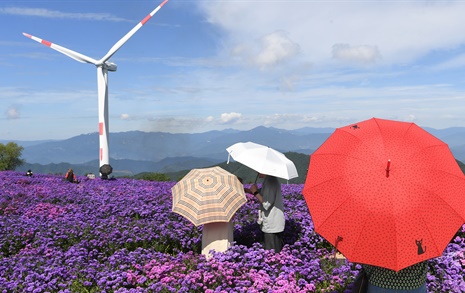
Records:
x=208, y=195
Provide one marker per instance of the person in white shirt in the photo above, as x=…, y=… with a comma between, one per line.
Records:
x=271, y=215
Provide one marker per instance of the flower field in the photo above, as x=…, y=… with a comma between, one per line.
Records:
x=121, y=236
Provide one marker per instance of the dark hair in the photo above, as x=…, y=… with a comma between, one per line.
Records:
x=70, y=176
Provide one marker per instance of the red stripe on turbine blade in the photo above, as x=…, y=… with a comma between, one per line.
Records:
x=145, y=19
x=46, y=43
x=100, y=128
x=27, y=35
x=161, y=5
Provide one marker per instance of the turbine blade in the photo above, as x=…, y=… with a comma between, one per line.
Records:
x=70, y=53
x=124, y=39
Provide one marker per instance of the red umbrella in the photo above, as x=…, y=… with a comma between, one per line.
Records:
x=385, y=193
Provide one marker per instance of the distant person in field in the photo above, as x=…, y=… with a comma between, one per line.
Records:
x=70, y=176
x=29, y=173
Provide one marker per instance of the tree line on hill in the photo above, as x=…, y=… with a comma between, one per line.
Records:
x=301, y=161
x=10, y=159
x=248, y=175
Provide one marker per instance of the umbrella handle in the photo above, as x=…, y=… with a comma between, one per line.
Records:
x=339, y=238
x=388, y=168
x=256, y=178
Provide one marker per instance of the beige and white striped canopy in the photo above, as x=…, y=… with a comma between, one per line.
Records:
x=208, y=195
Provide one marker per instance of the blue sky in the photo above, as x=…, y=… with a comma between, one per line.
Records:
x=209, y=65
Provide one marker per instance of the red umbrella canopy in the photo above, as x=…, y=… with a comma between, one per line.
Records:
x=391, y=192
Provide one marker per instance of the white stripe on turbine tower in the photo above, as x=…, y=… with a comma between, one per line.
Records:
x=103, y=66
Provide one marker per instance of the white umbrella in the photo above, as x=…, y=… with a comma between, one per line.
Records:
x=262, y=159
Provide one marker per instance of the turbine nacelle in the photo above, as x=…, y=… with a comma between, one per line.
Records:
x=110, y=66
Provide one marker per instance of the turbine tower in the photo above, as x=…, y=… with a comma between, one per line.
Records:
x=103, y=66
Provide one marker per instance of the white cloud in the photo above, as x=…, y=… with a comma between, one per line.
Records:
x=275, y=48
x=183, y=124
x=363, y=54
x=40, y=12
x=280, y=119
x=402, y=31
x=124, y=117
x=13, y=113
x=267, y=51
x=231, y=117
x=411, y=117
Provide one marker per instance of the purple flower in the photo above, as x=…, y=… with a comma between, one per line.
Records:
x=121, y=236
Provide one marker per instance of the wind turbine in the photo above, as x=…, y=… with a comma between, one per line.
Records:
x=103, y=66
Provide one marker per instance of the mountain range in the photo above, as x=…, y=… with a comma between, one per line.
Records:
x=135, y=152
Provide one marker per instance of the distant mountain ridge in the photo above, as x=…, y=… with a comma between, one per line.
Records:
x=134, y=152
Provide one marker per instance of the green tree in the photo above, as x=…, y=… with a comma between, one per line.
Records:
x=10, y=156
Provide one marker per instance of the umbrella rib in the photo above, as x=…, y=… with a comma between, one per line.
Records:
x=189, y=217
x=447, y=204
x=441, y=145
x=424, y=221
x=449, y=173
x=429, y=232
x=334, y=179
x=338, y=155
x=340, y=205
x=439, y=195
x=359, y=236
x=362, y=141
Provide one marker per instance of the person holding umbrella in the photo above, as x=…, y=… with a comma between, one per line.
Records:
x=270, y=165
x=210, y=197
x=387, y=194
x=271, y=214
